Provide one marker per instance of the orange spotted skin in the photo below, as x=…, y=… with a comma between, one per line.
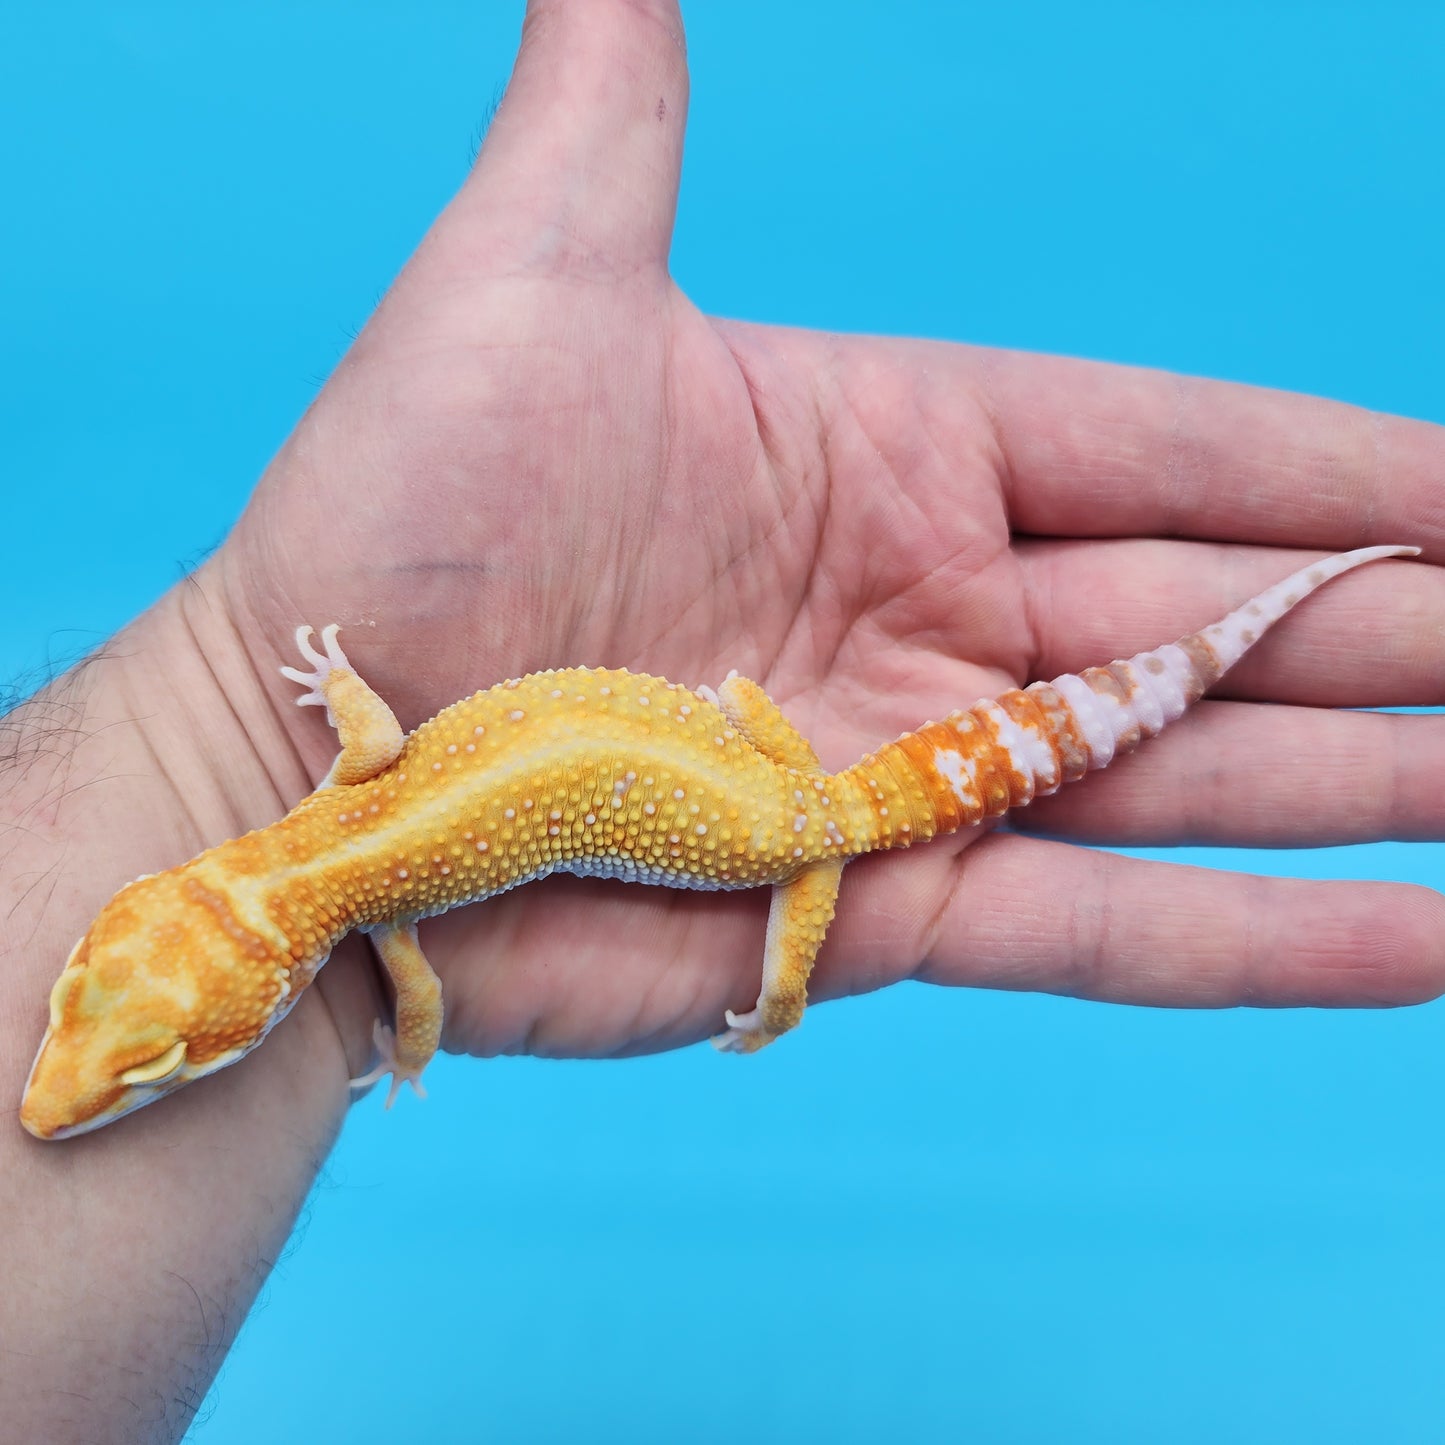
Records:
x=598, y=767
x=605, y=773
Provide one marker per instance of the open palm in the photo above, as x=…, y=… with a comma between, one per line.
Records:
x=539, y=453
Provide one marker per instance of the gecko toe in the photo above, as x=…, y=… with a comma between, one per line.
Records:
x=744, y=1034
x=388, y=1063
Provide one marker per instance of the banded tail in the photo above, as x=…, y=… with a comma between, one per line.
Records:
x=1003, y=752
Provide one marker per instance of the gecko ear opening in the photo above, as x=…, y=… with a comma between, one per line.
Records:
x=157, y=1069
x=59, y=993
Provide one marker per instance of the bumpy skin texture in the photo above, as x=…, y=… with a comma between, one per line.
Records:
x=606, y=773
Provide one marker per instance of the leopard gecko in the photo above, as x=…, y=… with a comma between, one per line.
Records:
x=599, y=772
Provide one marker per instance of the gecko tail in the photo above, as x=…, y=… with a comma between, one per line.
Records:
x=1005, y=751
x=1116, y=707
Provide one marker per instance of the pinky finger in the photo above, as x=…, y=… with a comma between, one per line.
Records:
x=1022, y=913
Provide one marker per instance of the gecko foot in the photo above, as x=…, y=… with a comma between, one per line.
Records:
x=745, y=1033
x=323, y=665
x=385, y=1040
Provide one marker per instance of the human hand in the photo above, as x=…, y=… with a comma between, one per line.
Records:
x=540, y=453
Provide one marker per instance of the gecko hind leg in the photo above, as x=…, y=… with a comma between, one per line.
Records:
x=801, y=911
x=371, y=738
x=802, y=908
x=760, y=720
x=407, y=1050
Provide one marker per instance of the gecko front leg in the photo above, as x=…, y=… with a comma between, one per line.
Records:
x=408, y=1049
x=371, y=738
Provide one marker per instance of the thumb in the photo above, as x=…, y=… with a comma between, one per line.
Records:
x=581, y=164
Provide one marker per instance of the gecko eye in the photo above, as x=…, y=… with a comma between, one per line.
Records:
x=157, y=1069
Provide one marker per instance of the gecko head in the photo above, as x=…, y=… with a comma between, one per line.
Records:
x=131, y=1018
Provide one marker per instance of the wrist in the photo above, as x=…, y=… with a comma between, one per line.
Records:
x=163, y=743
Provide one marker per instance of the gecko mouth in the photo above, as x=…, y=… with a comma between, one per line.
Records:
x=47, y=1112
x=56, y=1105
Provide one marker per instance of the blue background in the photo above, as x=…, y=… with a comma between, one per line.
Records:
x=933, y=1216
